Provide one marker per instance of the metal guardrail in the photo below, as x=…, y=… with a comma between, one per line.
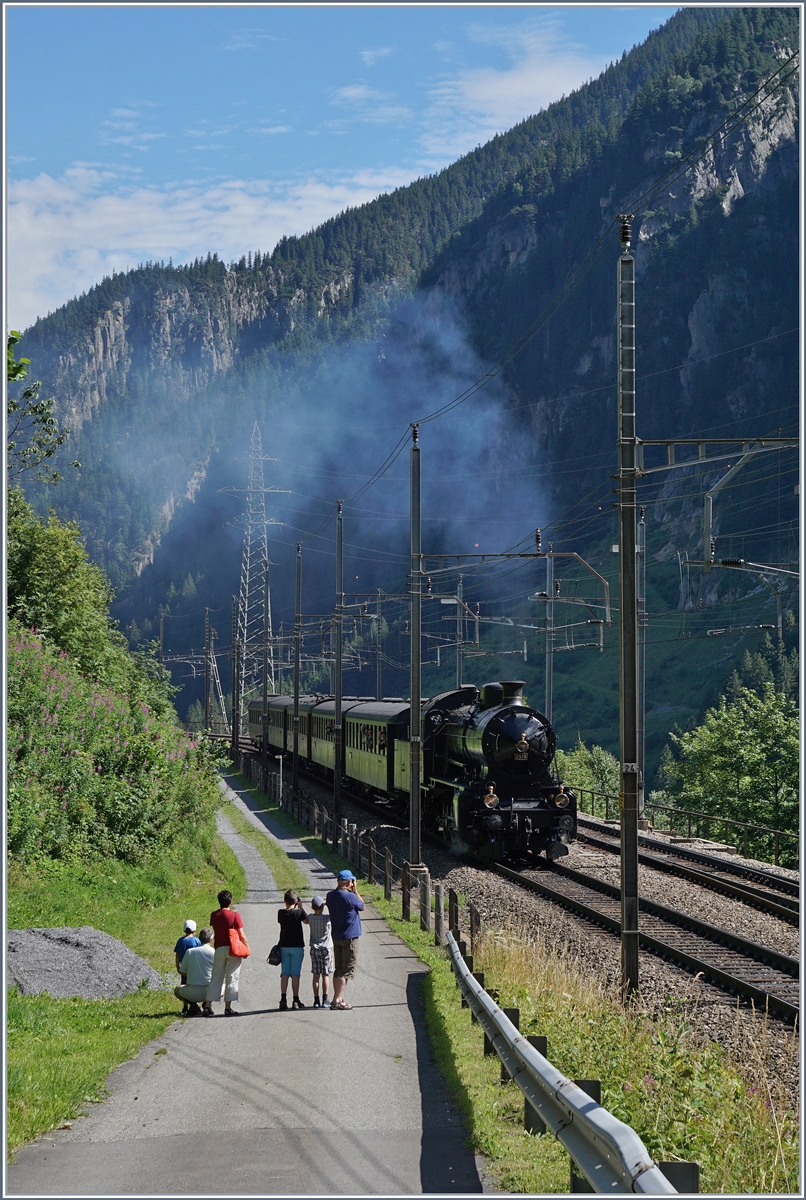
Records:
x=610, y=1154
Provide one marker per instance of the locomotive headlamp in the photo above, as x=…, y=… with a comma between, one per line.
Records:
x=562, y=799
x=522, y=746
x=491, y=800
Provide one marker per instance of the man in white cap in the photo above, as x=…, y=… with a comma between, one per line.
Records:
x=185, y=943
x=197, y=969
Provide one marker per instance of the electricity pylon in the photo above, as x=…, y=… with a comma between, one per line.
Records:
x=254, y=642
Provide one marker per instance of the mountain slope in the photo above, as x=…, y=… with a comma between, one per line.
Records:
x=136, y=356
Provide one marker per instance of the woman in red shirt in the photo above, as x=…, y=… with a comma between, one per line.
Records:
x=226, y=967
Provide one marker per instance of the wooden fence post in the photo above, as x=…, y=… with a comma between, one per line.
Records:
x=453, y=913
x=370, y=860
x=406, y=892
x=439, y=914
x=425, y=902
x=387, y=873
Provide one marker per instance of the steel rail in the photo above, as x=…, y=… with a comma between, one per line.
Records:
x=786, y=908
x=609, y=1153
x=778, y=883
x=744, y=987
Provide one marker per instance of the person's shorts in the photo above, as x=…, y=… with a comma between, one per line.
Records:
x=345, y=952
x=291, y=960
x=321, y=960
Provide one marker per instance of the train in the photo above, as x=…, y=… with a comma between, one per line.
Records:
x=486, y=766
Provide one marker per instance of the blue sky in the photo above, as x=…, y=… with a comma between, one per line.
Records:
x=151, y=132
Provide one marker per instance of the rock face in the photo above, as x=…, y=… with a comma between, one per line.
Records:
x=80, y=962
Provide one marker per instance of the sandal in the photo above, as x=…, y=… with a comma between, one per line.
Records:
x=341, y=1004
x=297, y=1003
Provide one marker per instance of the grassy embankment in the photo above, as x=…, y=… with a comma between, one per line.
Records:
x=686, y=1101
x=61, y=1051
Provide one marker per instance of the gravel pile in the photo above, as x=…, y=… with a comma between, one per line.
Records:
x=80, y=962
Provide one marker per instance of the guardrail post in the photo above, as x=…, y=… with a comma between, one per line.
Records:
x=683, y=1176
x=453, y=913
x=425, y=902
x=514, y=1015
x=405, y=883
x=387, y=873
x=532, y=1121
x=592, y=1088
x=439, y=914
x=479, y=978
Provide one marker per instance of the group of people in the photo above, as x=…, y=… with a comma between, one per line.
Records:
x=210, y=972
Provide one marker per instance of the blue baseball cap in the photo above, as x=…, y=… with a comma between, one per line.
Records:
x=345, y=875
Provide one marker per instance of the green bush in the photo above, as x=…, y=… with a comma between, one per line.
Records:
x=92, y=770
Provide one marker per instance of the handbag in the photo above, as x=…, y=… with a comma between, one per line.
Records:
x=275, y=957
x=238, y=946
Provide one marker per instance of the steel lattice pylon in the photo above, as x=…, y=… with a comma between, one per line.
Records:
x=254, y=600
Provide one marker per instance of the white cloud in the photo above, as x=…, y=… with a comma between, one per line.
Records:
x=65, y=234
x=471, y=106
x=248, y=39
x=273, y=129
x=370, y=57
x=366, y=104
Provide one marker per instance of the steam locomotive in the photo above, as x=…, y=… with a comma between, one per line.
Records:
x=486, y=781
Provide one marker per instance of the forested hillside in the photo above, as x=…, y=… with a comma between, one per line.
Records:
x=150, y=340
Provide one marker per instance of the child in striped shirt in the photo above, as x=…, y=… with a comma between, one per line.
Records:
x=322, y=963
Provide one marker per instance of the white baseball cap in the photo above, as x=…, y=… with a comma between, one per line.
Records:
x=190, y=926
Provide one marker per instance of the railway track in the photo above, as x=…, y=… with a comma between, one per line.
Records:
x=765, y=896
x=744, y=968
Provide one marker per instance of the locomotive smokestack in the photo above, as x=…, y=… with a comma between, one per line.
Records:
x=513, y=691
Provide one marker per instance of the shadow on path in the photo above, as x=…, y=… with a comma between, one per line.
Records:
x=447, y=1161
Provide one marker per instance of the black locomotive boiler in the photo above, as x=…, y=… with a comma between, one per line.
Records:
x=486, y=781
x=487, y=758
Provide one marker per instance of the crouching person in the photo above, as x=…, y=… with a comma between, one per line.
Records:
x=197, y=968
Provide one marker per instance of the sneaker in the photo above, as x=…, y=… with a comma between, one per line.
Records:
x=326, y=1002
x=194, y=1011
x=297, y=1003
x=316, y=1002
x=283, y=1004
